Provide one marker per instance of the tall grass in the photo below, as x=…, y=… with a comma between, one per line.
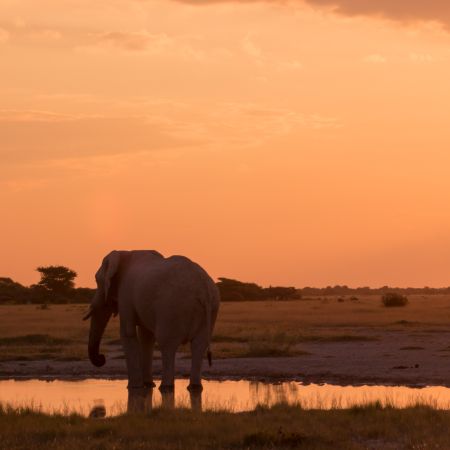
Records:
x=279, y=427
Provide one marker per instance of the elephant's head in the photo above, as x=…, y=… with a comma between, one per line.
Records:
x=103, y=305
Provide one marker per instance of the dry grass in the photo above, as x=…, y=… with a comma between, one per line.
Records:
x=243, y=329
x=281, y=427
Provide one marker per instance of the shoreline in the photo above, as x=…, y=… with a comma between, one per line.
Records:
x=233, y=369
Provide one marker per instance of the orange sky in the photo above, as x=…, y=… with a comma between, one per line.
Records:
x=296, y=143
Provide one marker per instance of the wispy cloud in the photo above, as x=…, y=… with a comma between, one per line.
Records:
x=135, y=41
x=43, y=135
x=30, y=136
x=181, y=47
x=4, y=36
x=421, y=58
x=45, y=34
x=320, y=122
x=251, y=48
x=290, y=65
x=375, y=58
x=18, y=30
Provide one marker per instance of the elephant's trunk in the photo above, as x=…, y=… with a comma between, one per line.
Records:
x=99, y=321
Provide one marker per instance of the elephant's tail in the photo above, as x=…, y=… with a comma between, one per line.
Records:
x=209, y=355
x=209, y=331
x=210, y=318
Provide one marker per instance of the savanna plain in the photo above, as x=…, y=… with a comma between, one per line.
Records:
x=339, y=340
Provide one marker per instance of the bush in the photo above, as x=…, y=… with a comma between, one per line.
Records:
x=391, y=299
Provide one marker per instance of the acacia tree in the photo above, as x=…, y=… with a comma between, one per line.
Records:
x=56, y=279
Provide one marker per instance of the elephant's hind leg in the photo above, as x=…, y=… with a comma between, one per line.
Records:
x=198, y=348
x=147, y=342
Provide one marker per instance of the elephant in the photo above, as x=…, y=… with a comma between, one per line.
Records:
x=168, y=301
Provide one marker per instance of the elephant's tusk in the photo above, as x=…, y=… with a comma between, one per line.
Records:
x=88, y=314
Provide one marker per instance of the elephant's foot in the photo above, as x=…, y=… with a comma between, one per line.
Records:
x=149, y=384
x=136, y=390
x=194, y=388
x=136, y=400
x=167, y=388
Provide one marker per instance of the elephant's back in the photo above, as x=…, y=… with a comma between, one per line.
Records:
x=171, y=279
x=179, y=273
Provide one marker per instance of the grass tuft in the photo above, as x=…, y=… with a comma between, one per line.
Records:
x=392, y=299
x=276, y=440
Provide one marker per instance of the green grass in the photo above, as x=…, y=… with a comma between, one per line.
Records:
x=280, y=427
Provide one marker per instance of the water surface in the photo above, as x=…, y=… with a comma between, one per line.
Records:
x=235, y=396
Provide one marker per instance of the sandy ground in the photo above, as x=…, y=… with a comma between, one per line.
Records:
x=413, y=358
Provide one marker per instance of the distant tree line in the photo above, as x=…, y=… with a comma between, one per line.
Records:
x=238, y=291
x=345, y=290
x=57, y=286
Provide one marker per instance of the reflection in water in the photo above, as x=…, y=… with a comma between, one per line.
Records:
x=98, y=411
x=142, y=401
x=196, y=401
x=82, y=396
x=269, y=394
x=168, y=400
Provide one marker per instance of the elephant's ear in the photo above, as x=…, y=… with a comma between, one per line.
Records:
x=106, y=273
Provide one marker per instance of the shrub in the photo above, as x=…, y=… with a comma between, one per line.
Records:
x=391, y=299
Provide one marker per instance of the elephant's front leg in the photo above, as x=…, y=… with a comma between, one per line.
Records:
x=147, y=342
x=132, y=351
x=168, y=352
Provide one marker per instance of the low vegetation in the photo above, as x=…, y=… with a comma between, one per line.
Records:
x=235, y=291
x=393, y=299
x=243, y=329
x=280, y=427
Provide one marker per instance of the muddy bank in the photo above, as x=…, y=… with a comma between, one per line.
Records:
x=394, y=358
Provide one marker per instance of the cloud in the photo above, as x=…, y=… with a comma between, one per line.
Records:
x=144, y=41
x=292, y=65
x=411, y=10
x=28, y=136
x=45, y=34
x=250, y=48
x=251, y=124
x=136, y=41
x=401, y=10
x=33, y=137
x=319, y=122
x=19, y=30
x=375, y=59
x=421, y=58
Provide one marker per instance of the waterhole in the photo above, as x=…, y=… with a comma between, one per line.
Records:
x=110, y=397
